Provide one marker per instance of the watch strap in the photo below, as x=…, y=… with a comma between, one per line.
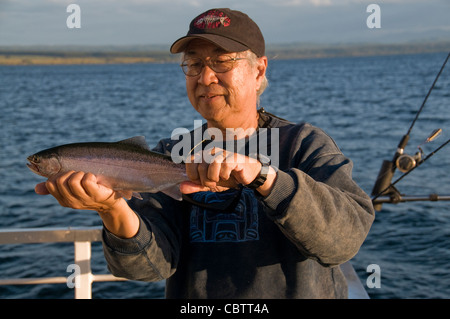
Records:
x=261, y=178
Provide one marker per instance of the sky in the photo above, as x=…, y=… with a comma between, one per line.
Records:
x=160, y=22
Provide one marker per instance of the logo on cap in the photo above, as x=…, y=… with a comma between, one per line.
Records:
x=211, y=20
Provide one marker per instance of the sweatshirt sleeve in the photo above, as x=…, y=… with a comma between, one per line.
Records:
x=153, y=253
x=317, y=204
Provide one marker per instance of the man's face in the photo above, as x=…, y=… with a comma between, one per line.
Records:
x=225, y=100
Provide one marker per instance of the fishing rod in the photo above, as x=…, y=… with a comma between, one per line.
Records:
x=408, y=167
x=404, y=162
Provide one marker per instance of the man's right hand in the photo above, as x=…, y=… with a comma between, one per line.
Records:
x=79, y=190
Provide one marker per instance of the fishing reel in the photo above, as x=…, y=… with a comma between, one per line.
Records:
x=406, y=162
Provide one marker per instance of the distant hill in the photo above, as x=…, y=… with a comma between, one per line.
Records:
x=39, y=55
x=35, y=55
x=308, y=51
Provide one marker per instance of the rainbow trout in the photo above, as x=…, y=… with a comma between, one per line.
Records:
x=125, y=166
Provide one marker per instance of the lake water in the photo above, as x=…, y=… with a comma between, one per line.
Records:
x=365, y=103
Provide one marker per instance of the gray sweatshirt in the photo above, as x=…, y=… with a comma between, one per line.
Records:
x=286, y=245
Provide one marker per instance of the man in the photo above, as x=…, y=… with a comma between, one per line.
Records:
x=246, y=228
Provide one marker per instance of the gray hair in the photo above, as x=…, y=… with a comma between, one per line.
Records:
x=253, y=60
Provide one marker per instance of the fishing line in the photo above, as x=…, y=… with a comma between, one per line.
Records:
x=428, y=94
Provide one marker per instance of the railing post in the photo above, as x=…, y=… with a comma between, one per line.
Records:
x=83, y=287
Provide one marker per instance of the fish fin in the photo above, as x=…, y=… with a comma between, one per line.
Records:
x=137, y=195
x=174, y=192
x=136, y=141
x=129, y=194
x=125, y=194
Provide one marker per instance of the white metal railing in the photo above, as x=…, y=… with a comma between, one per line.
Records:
x=80, y=236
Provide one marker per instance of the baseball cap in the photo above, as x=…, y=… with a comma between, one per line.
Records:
x=231, y=30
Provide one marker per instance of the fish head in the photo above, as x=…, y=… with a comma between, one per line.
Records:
x=44, y=164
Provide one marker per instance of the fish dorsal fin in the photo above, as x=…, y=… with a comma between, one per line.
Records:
x=136, y=141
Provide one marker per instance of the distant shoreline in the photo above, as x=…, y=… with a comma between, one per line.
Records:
x=128, y=55
x=42, y=59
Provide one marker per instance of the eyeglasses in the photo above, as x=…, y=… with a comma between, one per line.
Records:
x=219, y=64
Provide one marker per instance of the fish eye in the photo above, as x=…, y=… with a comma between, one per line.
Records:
x=34, y=159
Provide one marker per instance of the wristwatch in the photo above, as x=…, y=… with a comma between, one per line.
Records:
x=262, y=176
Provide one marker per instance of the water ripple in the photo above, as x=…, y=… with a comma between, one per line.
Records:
x=365, y=104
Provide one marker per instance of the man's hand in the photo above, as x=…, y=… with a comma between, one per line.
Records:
x=79, y=190
x=224, y=171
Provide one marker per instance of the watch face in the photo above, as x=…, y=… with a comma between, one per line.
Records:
x=264, y=170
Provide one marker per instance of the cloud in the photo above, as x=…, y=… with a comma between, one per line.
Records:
x=297, y=3
x=161, y=21
x=331, y=3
